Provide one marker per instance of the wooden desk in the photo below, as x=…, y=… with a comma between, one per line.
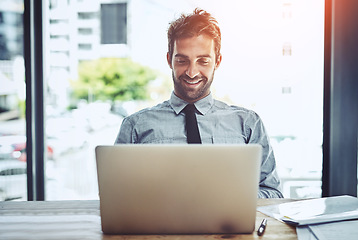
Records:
x=81, y=220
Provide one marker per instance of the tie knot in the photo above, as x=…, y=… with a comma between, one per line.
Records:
x=190, y=108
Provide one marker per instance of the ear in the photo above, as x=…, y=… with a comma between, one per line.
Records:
x=169, y=61
x=218, y=61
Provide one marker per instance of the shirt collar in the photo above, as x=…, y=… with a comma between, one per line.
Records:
x=203, y=105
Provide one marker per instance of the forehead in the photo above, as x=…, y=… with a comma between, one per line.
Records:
x=194, y=46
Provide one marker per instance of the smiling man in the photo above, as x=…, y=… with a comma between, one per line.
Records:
x=194, y=43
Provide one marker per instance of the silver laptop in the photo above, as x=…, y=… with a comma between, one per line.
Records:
x=178, y=189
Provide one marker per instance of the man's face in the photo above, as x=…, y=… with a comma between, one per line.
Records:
x=193, y=65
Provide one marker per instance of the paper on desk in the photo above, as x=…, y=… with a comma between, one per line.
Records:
x=314, y=211
x=305, y=233
x=347, y=230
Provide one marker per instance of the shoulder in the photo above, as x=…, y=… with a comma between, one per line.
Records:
x=237, y=110
x=146, y=112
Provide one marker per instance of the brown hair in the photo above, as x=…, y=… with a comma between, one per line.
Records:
x=198, y=23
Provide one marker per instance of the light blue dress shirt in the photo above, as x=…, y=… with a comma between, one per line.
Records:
x=218, y=123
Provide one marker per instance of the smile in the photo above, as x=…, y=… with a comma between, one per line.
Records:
x=195, y=82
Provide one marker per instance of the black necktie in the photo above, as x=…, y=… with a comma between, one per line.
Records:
x=192, y=130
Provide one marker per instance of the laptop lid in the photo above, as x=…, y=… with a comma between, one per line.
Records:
x=178, y=189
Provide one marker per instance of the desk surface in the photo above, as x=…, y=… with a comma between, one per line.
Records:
x=81, y=220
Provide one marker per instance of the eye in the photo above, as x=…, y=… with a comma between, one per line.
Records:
x=204, y=62
x=181, y=61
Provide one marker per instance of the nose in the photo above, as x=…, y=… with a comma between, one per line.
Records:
x=192, y=71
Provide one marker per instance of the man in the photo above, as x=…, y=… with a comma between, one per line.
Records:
x=194, y=43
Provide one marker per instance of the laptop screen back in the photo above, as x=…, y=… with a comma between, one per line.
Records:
x=178, y=189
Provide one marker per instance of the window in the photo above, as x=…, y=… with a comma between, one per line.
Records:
x=84, y=46
x=287, y=10
x=286, y=90
x=11, y=33
x=12, y=101
x=270, y=67
x=114, y=23
x=261, y=75
x=87, y=15
x=85, y=31
x=287, y=49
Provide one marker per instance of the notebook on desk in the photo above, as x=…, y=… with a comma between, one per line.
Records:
x=178, y=189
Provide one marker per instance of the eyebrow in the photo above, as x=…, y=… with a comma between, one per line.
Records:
x=184, y=56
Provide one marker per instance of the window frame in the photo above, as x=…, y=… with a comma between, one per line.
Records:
x=33, y=55
x=340, y=108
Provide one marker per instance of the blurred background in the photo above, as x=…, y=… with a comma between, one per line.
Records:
x=105, y=59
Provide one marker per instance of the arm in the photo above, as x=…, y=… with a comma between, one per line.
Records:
x=125, y=133
x=269, y=184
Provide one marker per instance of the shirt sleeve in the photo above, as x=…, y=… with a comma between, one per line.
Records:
x=125, y=134
x=269, y=185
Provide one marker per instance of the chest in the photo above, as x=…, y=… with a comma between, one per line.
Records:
x=171, y=129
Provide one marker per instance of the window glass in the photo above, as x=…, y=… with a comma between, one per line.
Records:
x=12, y=102
x=107, y=59
x=114, y=23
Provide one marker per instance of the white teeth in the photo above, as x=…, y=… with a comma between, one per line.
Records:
x=193, y=82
